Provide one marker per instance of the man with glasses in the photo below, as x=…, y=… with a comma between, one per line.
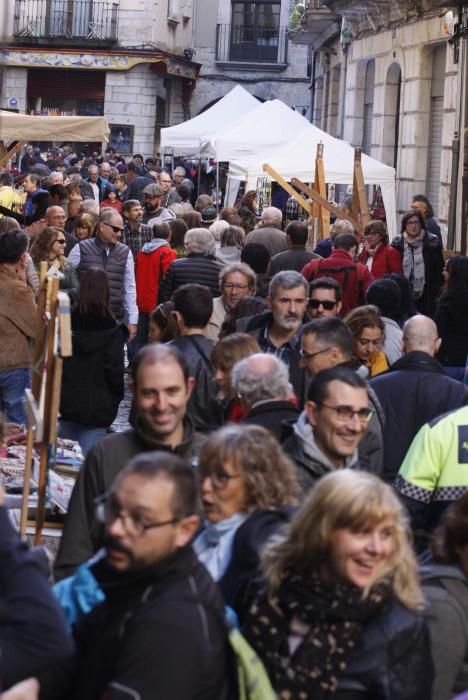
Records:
x=327, y=343
x=327, y=433
x=55, y=216
x=170, y=194
x=159, y=631
x=236, y=281
x=116, y=259
x=325, y=298
x=161, y=388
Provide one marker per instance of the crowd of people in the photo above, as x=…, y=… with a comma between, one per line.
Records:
x=297, y=451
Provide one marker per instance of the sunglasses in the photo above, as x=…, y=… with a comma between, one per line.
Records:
x=327, y=305
x=61, y=241
x=116, y=229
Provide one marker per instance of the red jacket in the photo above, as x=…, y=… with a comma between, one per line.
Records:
x=353, y=277
x=386, y=259
x=150, y=267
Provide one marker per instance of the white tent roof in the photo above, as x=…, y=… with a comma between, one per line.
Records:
x=270, y=125
x=294, y=156
x=26, y=127
x=184, y=139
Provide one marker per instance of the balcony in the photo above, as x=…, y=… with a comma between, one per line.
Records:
x=313, y=26
x=251, y=47
x=67, y=22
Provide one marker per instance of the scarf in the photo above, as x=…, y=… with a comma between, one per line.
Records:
x=335, y=615
x=413, y=262
x=213, y=546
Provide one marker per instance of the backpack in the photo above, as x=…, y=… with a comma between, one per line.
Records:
x=250, y=675
x=358, y=298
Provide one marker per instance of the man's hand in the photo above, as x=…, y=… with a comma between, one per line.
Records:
x=26, y=690
x=132, y=329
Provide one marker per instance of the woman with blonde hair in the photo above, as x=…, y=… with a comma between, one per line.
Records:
x=248, y=489
x=368, y=329
x=49, y=246
x=340, y=616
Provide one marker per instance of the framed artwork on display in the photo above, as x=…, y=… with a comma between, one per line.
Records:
x=121, y=138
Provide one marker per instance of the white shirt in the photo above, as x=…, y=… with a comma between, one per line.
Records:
x=95, y=189
x=130, y=304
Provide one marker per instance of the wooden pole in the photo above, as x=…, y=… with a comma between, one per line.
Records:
x=321, y=188
x=9, y=151
x=360, y=204
x=286, y=186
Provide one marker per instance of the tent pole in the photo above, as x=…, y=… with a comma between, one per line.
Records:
x=199, y=175
x=217, y=187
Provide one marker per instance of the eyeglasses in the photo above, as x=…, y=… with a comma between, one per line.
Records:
x=61, y=241
x=219, y=479
x=413, y=223
x=346, y=413
x=367, y=341
x=116, y=229
x=309, y=355
x=327, y=304
x=230, y=286
x=108, y=510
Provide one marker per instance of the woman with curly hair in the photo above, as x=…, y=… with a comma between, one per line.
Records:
x=49, y=246
x=248, y=488
x=368, y=329
x=340, y=614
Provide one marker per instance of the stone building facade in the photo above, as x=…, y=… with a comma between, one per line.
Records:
x=123, y=59
x=245, y=42
x=386, y=79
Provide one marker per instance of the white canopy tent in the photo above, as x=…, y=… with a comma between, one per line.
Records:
x=270, y=125
x=184, y=139
x=277, y=135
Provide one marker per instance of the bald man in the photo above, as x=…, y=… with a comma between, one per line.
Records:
x=414, y=391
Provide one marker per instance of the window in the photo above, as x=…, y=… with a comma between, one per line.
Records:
x=255, y=30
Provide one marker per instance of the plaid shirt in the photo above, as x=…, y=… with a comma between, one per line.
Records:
x=136, y=239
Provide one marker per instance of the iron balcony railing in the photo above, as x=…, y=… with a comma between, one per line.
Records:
x=251, y=44
x=93, y=21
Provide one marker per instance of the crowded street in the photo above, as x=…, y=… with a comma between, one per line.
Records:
x=233, y=350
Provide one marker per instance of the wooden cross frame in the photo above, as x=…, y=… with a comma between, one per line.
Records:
x=360, y=212
x=43, y=400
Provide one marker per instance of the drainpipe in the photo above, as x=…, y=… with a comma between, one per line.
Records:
x=343, y=91
x=312, y=87
x=452, y=215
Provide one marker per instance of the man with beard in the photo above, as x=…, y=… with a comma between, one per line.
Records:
x=161, y=388
x=280, y=329
x=135, y=234
x=158, y=632
x=154, y=212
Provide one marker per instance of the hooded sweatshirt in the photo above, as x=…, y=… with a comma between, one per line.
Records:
x=311, y=463
x=151, y=265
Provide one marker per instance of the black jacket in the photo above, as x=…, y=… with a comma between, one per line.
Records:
x=195, y=268
x=33, y=634
x=202, y=407
x=271, y=415
x=92, y=382
x=135, y=188
x=414, y=391
x=241, y=581
x=159, y=634
x=433, y=266
x=296, y=258
x=82, y=534
x=452, y=323
x=391, y=660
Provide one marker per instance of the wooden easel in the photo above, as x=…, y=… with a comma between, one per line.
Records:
x=321, y=207
x=7, y=152
x=53, y=341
